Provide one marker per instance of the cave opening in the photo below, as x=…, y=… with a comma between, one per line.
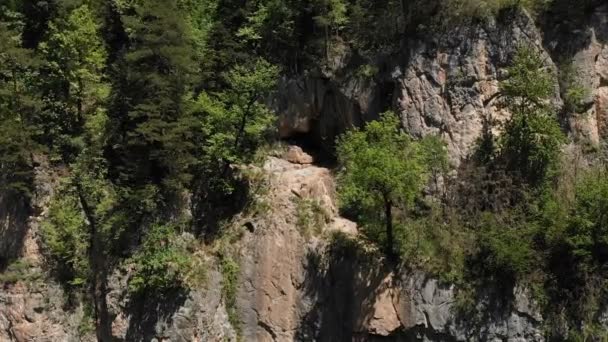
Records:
x=320, y=148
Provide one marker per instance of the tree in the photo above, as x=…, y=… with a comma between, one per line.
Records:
x=149, y=144
x=531, y=141
x=86, y=221
x=331, y=17
x=232, y=124
x=236, y=121
x=381, y=168
x=73, y=84
x=18, y=105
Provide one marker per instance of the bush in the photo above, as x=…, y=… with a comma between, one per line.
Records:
x=506, y=246
x=19, y=270
x=436, y=243
x=66, y=238
x=311, y=217
x=488, y=8
x=162, y=262
x=230, y=276
x=587, y=228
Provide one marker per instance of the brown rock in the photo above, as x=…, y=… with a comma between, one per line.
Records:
x=296, y=155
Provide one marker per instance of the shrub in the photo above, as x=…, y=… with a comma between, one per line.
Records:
x=506, y=245
x=230, y=276
x=66, y=238
x=162, y=262
x=437, y=243
x=487, y=8
x=311, y=217
x=19, y=270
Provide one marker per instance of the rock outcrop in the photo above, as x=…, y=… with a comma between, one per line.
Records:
x=293, y=286
x=324, y=286
x=331, y=288
x=446, y=83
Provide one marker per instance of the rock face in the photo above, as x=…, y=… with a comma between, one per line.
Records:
x=584, y=46
x=292, y=286
x=297, y=286
x=199, y=315
x=298, y=289
x=440, y=85
x=446, y=84
x=273, y=259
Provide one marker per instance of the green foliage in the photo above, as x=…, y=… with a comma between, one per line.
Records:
x=74, y=59
x=19, y=270
x=586, y=232
x=381, y=168
x=332, y=14
x=506, y=245
x=464, y=9
x=311, y=216
x=436, y=242
x=379, y=161
x=162, y=262
x=18, y=103
x=66, y=237
x=235, y=122
x=151, y=135
x=529, y=83
x=86, y=326
x=230, y=276
x=532, y=138
x=367, y=71
x=573, y=92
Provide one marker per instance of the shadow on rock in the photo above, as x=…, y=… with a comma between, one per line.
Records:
x=344, y=282
x=148, y=311
x=14, y=213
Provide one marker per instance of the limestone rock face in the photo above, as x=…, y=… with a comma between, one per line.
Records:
x=586, y=49
x=36, y=314
x=32, y=308
x=197, y=316
x=272, y=302
x=442, y=85
x=295, y=288
x=447, y=85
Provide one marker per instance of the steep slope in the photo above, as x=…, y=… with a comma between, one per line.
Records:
x=446, y=83
x=329, y=287
x=302, y=276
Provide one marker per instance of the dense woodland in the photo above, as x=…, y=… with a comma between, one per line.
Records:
x=149, y=106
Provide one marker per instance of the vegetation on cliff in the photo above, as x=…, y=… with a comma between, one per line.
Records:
x=146, y=107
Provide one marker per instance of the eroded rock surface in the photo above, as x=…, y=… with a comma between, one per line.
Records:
x=299, y=289
x=447, y=83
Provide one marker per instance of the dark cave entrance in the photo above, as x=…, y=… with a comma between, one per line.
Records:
x=321, y=149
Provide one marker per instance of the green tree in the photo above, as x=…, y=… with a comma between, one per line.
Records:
x=235, y=122
x=86, y=221
x=19, y=104
x=587, y=224
x=331, y=17
x=381, y=168
x=73, y=82
x=532, y=138
x=149, y=142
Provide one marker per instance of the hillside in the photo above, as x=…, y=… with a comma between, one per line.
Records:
x=282, y=170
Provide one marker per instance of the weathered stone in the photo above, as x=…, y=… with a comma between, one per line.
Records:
x=296, y=155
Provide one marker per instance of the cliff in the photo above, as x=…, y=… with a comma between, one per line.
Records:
x=310, y=278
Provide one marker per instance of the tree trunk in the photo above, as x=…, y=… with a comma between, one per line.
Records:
x=388, y=214
x=98, y=286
